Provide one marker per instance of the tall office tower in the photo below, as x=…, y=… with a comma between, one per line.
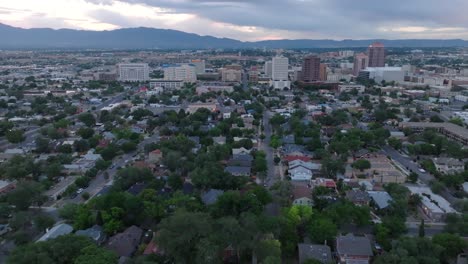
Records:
x=311, y=69
x=268, y=68
x=133, y=72
x=376, y=53
x=279, y=68
x=323, y=72
x=184, y=72
x=199, y=66
x=280, y=73
x=361, y=61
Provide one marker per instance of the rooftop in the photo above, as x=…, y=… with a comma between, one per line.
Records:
x=432, y=201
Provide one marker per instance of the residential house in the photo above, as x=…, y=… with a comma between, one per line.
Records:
x=126, y=243
x=302, y=194
x=358, y=197
x=96, y=233
x=353, y=249
x=56, y=231
x=449, y=165
x=155, y=156
x=323, y=182
x=238, y=170
x=6, y=186
x=136, y=188
x=242, y=150
x=322, y=253
x=4, y=228
x=211, y=196
x=242, y=157
x=380, y=199
x=219, y=140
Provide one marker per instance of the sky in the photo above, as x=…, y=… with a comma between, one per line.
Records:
x=251, y=20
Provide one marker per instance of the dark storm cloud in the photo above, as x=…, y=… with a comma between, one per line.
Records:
x=347, y=18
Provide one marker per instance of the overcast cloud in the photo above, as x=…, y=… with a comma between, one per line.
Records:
x=252, y=20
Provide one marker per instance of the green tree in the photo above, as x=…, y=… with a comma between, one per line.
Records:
x=96, y=255
x=395, y=143
x=413, y=177
x=361, y=164
x=88, y=119
x=85, y=132
x=182, y=245
x=42, y=145
x=422, y=231
x=322, y=229
x=453, y=244
x=15, y=136
x=26, y=194
x=62, y=250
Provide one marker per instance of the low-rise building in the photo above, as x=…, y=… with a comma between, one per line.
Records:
x=448, y=165
x=433, y=205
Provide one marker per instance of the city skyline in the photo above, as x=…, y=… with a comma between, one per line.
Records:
x=249, y=20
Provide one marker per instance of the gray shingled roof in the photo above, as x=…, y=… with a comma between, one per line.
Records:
x=321, y=253
x=352, y=245
x=381, y=199
x=211, y=196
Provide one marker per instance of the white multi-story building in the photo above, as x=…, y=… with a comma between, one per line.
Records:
x=346, y=53
x=133, y=72
x=184, y=72
x=279, y=70
x=166, y=84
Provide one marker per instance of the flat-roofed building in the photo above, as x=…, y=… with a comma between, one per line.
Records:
x=449, y=130
x=133, y=72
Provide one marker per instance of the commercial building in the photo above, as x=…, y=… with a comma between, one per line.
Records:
x=361, y=61
x=433, y=205
x=133, y=72
x=167, y=84
x=311, y=69
x=448, y=165
x=280, y=76
x=184, y=72
x=268, y=68
x=376, y=53
x=449, y=130
x=199, y=66
x=380, y=74
x=323, y=72
x=231, y=75
x=351, y=87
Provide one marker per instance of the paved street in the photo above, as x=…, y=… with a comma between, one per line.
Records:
x=99, y=182
x=410, y=165
x=265, y=146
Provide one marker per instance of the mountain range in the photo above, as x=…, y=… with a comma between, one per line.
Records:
x=153, y=38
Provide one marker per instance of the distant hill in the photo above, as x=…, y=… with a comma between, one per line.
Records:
x=152, y=38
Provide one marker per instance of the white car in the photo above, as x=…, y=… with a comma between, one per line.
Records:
x=422, y=170
x=80, y=190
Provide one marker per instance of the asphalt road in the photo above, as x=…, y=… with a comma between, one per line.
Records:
x=265, y=146
x=99, y=182
x=410, y=165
